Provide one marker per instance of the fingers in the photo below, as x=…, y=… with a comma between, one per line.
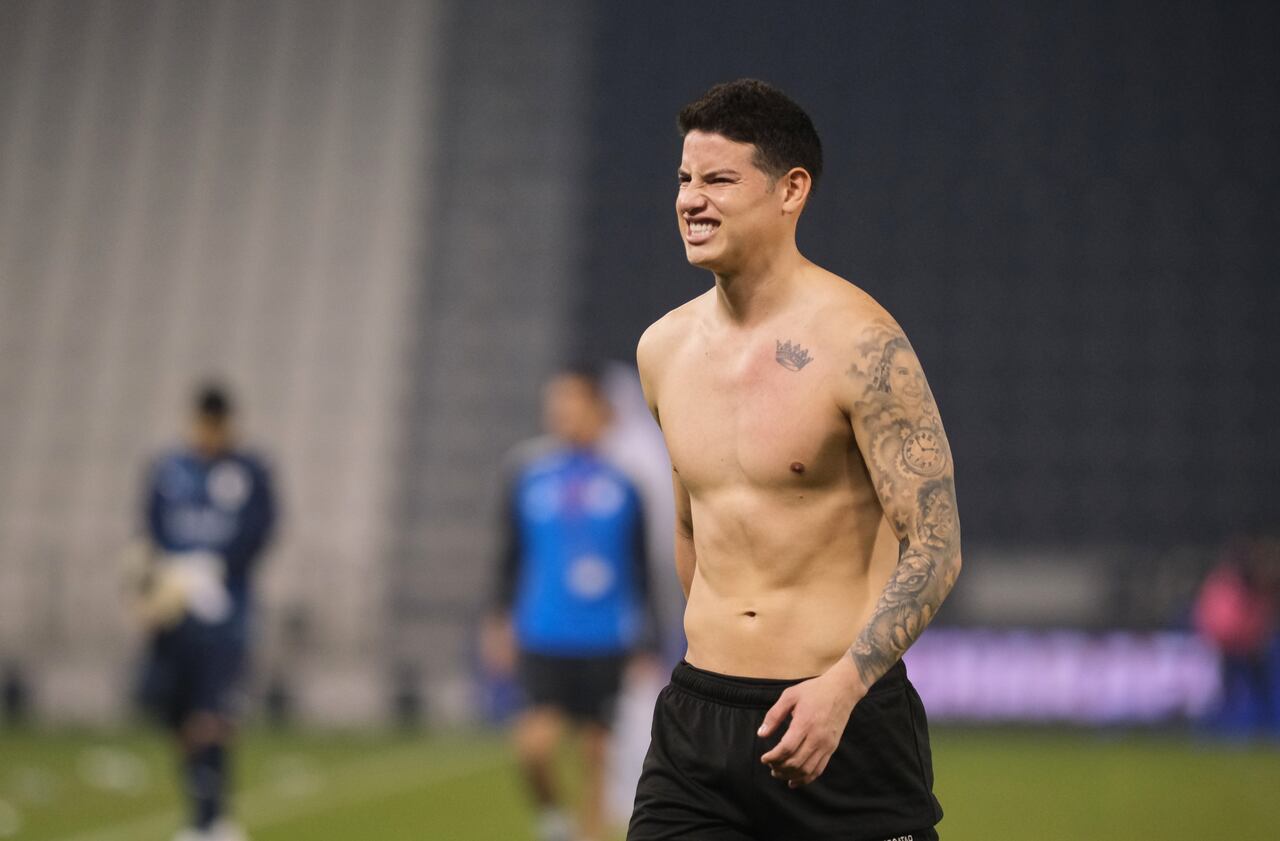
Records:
x=787, y=746
x=802, y=771
x=802, y=754
x=812, y=770
x=783, y=754
x=777, y=714
x=800, y=757
x=787, y=755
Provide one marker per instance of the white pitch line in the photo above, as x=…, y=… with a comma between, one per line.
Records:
x=262, y=807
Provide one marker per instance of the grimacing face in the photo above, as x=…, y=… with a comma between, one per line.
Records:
x=727, y=208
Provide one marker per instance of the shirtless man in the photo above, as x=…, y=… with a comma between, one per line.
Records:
x=800, y=426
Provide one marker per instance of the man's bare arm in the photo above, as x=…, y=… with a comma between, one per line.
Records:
x=650, y=353
x=686, y=557
x=900, y=434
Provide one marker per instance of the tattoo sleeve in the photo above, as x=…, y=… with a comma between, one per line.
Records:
x=899, y=432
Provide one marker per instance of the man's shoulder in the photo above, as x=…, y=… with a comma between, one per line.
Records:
x=182, y=457
x=848, y=311
x=662, y=336
x=608, y=468
x=169, y=473
x=254, y=460
x=532, y=455
x=173, y=465
x=175, y=454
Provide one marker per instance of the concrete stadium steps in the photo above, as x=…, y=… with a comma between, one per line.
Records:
x=186, y=189
x=492, y=325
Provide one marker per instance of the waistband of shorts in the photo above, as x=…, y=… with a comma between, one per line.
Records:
x=756, y=691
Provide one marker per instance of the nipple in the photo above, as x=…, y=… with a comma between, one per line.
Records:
x=797, y=467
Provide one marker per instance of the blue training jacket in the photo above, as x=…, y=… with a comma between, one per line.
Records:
x=574, y=568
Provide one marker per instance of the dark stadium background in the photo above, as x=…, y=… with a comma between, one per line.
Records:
x=1071, y=210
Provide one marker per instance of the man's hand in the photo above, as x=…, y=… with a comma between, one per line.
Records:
x=819, y=710
x=498, y=645
x=643, y=667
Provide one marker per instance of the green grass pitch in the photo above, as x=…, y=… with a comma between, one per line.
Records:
x=994, y=784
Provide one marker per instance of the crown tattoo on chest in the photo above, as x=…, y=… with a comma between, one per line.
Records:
x=791, y=356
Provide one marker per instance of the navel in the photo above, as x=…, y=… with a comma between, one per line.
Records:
x=797, y=467
x=750, y=614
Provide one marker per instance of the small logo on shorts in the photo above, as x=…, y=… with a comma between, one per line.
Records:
x=901, y=838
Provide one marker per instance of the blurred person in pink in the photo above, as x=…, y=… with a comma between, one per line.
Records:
x=1235, y=609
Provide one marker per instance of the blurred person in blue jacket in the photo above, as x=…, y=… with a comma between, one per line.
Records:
x=209, y=512
x=572, y=604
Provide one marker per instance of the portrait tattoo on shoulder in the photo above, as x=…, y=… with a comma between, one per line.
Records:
x=908, y=458
x=791, y=356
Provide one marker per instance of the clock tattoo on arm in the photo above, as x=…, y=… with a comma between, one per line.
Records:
x=905, y=449
x=923, y=452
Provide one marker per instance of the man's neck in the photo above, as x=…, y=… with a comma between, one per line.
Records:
x=747, y=297
x=587, y=443
x=211, y=454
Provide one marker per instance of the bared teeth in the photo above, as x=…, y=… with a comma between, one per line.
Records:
x=701, y=227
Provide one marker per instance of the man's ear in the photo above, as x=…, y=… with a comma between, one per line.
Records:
x=796, y=186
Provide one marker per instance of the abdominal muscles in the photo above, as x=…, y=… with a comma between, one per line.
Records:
x=783, y=584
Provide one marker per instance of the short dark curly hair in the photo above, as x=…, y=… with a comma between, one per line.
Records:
x=755, y=112
x=213, y=401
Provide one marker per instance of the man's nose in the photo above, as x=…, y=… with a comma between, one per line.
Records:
x=690, y=200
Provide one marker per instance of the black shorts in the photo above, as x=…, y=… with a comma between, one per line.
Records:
x=193, y=668
x=583, y=688
x=703, y=779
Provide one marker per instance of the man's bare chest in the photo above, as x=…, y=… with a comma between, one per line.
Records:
x=761, y=415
